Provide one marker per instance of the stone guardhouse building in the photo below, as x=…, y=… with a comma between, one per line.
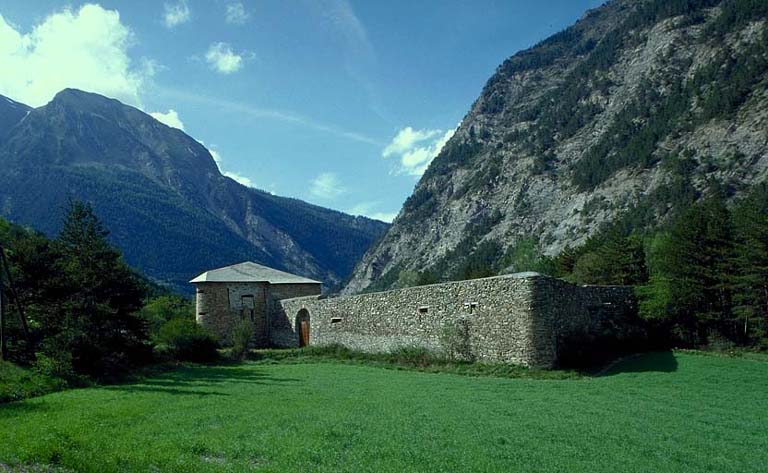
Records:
x=228, y=295
x=527, y=319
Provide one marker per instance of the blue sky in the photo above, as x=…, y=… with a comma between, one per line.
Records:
x=340, y=103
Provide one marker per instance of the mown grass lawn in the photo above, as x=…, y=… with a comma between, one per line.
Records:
x=658, y=413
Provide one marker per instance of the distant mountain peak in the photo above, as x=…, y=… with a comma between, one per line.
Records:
x=91, y=102
x=161, y=194
x=73, y=92
x=79, y=94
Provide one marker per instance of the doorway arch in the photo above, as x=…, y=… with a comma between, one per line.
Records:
x=303, y=327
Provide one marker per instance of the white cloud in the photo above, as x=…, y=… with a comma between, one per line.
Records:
x=342, y=16
x=246, y=181
x=85, y=49
x=239, y=178
x=406, y=139
x=176, y=14
x=366, y=209
x=223, y=59
x=170, y=118
x=286, y=116
x=215, y=155
x=326, y=186
x=355, y=49
x=388, y=217
x=236, y=14
x=416, y=148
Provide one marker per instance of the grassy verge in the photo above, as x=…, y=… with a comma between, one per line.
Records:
x=744, y=353
x=18, y=383
x=670, y=412
x=415, y=359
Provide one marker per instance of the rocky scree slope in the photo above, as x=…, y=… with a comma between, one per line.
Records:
x=636, y=108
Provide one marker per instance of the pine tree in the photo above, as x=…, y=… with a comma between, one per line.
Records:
x=750, y=221
x=615, y=260
x=656, y=296
x=95, y=320
x=691, y=275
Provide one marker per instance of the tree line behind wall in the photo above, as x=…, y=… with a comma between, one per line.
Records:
x=701, y=277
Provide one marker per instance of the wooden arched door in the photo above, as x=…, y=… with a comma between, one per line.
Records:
x=302, y=325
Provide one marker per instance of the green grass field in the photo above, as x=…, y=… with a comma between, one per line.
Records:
x=656, y=413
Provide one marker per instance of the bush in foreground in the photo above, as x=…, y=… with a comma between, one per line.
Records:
x=17, y=383
x=184, y=340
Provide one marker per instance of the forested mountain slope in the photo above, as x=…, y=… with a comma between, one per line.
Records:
x=161, y=194
x=630, y=113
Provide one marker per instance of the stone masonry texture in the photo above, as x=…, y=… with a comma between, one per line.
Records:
x=522, y=318
x=221, y=306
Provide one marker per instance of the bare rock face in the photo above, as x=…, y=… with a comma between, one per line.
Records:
x=640, y=104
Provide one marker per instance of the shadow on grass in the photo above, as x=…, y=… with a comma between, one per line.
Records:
x=659, y=362
x=151, y=388
x=194, y=380
x=22, y=407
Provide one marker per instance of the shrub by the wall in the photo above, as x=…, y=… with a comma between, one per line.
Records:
x=242, y=336
x=185, y=340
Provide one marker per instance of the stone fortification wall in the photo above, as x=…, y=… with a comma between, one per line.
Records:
x=515, y=318
x=567, y=314
x=494, y=314
x=278, y=334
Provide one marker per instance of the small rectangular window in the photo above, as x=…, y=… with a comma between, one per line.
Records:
x=336, y=320
x=424, y=309
x=247, y=302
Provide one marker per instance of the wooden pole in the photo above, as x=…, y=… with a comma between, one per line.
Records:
x=3, y=349
x=12, y=289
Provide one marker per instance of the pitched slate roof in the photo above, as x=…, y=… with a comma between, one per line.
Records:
x=251, y=272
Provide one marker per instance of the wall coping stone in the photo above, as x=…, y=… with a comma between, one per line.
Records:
x=522, y=275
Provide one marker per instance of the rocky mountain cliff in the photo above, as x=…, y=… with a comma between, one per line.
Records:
x=11, y=113
x=636, y=108
x=161, y=194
